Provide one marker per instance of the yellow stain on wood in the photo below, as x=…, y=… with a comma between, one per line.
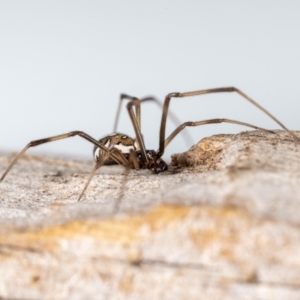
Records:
x=227, y=225
x=213, y=225
x=122, y=230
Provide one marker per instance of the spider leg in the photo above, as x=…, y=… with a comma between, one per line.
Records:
x=99, y=164
x=137, y=130
x=187, y=137
x=211, y=121
x=203, y=92
x=136, y=127
x=137, y=110
x=118, y=159
x=132, y=162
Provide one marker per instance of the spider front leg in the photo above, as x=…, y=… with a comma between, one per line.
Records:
x=149, y=159
x=118, y=159
x=204, y=92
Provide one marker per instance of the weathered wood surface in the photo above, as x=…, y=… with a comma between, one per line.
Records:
x=223, y=223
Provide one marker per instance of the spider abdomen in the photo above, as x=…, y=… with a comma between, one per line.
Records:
x=117, y=140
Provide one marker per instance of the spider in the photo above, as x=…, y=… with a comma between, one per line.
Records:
x=119, y=148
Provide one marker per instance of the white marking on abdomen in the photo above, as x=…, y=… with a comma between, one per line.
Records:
x=107, y=143
x=97, y=154
x=123, y=148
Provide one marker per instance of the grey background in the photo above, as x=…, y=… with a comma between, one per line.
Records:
x=63, y=65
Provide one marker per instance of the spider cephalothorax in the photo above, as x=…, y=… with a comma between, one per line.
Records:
x=119, y=148
x=155, y=163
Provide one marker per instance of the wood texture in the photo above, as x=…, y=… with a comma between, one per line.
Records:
x=223, y=223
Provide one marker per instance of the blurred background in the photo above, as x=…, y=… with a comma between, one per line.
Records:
x=63, y=65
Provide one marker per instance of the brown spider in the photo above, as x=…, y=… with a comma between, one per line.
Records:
x=119, y=148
